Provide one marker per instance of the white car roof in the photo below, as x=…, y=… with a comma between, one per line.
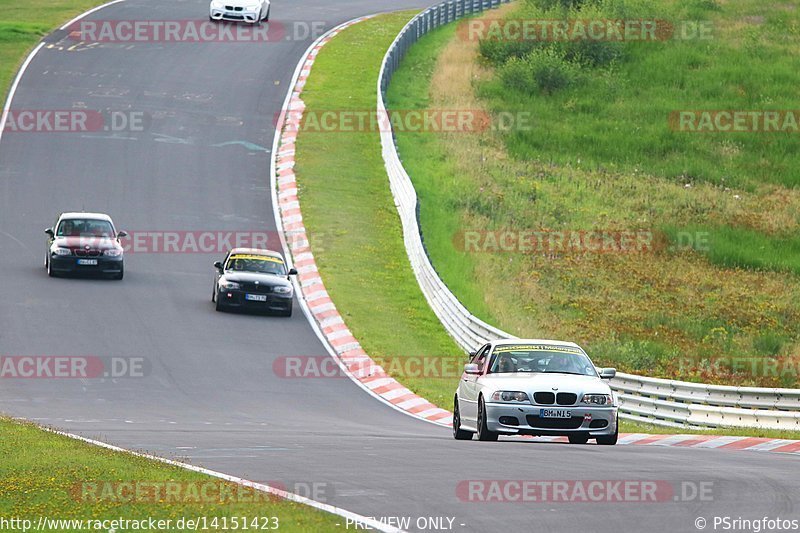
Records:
x=92, y=216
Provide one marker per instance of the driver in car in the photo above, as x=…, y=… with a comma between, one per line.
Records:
x=505, y=364
x=563, y=363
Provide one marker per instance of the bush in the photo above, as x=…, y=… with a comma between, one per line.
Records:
x=499, y=52
x=541, y=71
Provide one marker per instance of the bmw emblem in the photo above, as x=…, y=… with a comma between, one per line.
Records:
x=88, y=247
x=257, y=283
x=555, y=388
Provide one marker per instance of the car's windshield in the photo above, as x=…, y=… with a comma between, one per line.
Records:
x=541, y=359
x=84, y=227
x=261, y=264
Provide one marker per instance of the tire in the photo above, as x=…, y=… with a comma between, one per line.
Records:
x=578, y=438
x=50, y=271
x=483, y=433
x=267, y=17
x=458, y=433
x=258, y=20
x=609, y=440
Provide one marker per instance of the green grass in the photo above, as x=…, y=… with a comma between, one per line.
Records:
x=723, y=286
x=44, y=474
x=349, y=212
x=626, y=426
x=20, y=31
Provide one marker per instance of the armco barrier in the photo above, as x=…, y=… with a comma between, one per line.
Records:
x=656, y=401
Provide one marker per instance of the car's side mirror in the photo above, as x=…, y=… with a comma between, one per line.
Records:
x=50, y=232
x=122, y=234
x=218, y=265
x=471, y=354
x=292, y=271
x=472, y=368
x=608, y=373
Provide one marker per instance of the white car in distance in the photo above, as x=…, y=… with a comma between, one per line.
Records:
x=252, y=11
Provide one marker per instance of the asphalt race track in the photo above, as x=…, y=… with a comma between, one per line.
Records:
x=210, y=395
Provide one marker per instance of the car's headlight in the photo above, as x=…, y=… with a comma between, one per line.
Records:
x=506, y=396
x=597, y=399
x=61, y=251
x=113, y=252
x=283, y=289
x=228, y=285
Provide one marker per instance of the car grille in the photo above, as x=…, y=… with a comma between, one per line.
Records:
x=232, y=8
x=566, y=398
x=86, y=253
x=252, y=287
x=544, y=398
x=548, y=398
x=555, y=423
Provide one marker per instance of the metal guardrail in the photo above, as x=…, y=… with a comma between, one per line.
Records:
x=656, y=401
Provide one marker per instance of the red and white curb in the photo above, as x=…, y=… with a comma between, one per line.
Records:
x=331, y=324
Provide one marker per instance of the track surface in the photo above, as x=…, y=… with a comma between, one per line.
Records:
x=212, y=397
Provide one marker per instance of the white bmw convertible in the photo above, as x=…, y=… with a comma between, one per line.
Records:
x=252, y=11
x=535, y=387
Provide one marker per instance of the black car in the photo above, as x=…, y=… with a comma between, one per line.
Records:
x=253, y=279
x=84, y=243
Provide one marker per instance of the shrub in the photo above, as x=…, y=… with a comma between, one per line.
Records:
x=541, y=71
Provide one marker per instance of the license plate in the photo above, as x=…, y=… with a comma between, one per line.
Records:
x=87, y=262
x=554, y=413
x=256, y=297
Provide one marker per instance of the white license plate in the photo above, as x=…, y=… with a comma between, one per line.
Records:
x=554, y=413
x=87, y=262
x=256, y=297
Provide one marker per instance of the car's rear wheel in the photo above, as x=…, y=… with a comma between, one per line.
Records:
x=578, y=438
x=609, y=440
x=458, y=433
x=483, y=432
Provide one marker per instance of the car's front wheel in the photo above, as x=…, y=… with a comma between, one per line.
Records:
x=458, y=433
x=483, y=432
x=49, y=266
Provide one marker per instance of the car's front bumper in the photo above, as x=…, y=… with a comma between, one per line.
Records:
x=237, y=299
x=593, y=421
x=70, y=265
x=223, y=13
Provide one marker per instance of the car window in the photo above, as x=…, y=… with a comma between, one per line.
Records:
x=260, y=264
x=82, y=227
x=480, y=356
x=541, y=359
